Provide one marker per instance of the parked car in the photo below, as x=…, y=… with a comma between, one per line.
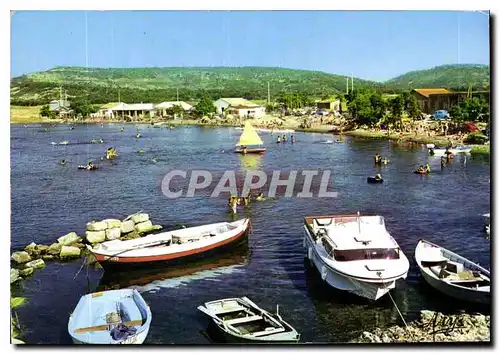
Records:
x=441, y=115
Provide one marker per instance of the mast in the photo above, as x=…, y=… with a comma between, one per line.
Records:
x=347, y=89
x=359, y=223
x=177, y=95
x=352, y=82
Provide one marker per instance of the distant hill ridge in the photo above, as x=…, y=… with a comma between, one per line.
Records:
x=101, y=85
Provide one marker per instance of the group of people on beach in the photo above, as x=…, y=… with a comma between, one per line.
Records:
x=283, y=139
x=234, y=201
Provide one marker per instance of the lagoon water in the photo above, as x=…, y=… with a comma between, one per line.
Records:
x=49, y=200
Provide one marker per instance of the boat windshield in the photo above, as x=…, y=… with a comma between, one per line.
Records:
x=362, y=254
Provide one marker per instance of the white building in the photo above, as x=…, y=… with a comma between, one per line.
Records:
x=239, y=107
x=164, y=106
x=133, y=110
x=106, y=111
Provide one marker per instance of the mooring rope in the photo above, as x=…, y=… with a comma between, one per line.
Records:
x=394, y=302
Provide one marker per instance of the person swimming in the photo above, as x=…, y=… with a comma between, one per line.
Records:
x=278, y=140
x=378, y=176
x=63, y=162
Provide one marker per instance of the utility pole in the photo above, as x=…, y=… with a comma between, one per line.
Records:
x=268, y=93
x=177, y=95
x=352, y=82
x=347, y=89
x=119, y=101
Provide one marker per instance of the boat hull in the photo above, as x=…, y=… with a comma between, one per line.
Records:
x=374, y=180
x=371, y=290
x=160, y=261
x=455, y=292
x=135, y=339
x=251, y=151
x=220, y=334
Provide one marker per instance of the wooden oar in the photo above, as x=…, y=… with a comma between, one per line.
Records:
x=106, y=327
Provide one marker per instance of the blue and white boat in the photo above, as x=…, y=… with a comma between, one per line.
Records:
x=110, y=317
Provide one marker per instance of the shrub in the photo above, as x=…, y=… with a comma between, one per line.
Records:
x=476, y=138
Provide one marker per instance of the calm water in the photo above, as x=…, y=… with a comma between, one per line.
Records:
x=49, y=200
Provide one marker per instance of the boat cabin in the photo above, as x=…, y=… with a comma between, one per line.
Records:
x=352, y=238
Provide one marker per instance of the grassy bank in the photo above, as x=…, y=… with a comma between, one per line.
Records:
x=26, y=114
x=480, y=150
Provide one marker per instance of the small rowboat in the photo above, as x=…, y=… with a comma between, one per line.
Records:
x=87, y=167
x=171, y=246
x=110, y=317
x=452, y=274
x=239, y=320
x=374, y=180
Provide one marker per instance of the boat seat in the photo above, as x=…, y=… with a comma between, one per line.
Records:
x=244, y=320
x=267, y=332
x=231, y=309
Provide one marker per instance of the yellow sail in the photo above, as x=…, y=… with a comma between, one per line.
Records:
x=249, y=136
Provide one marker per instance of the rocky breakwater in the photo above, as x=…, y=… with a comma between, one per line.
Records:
x=134, y=226
x=70, y=246
x=433, y=327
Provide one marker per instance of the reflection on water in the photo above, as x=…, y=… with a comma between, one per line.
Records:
x=177, y=275
x=251, y=162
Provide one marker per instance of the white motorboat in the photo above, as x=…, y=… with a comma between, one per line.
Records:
x=456, y=150
x=452, y=274
x=355, y=253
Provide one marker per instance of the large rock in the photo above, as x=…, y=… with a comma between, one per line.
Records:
x=14, y=275
x=145, y=226
x=97, y=226
x=95, y=236
x=54, y=249
x=42, y=249
x=79, y=245
x=113, y=234
x=69, y=252
x=157, y=227
x=127, y=226
x=36, y=264
x=21, y=257
x=15, y=302
x=48, y=257
x=25, y=272
x=31, y=248
x=68, y=239
x=112, y=223
x=139, y=218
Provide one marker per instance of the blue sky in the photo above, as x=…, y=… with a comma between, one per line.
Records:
x=375, y=45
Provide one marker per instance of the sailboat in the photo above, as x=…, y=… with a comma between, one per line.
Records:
x=249, y=137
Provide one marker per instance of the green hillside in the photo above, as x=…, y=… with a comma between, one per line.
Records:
x=161, y=84
x=457, y=77
x=102, y=85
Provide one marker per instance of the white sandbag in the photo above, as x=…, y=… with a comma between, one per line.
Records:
x=127, y=226
x=95, y=236
x=21, y=257
x=54, y=249
x=69, y=252
x=97, y=226
x=138, y=218
x=113, y=234
x=36, y=264
x=145, y=226
x=68, y=239
x=112, y=223
x=30, y=248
